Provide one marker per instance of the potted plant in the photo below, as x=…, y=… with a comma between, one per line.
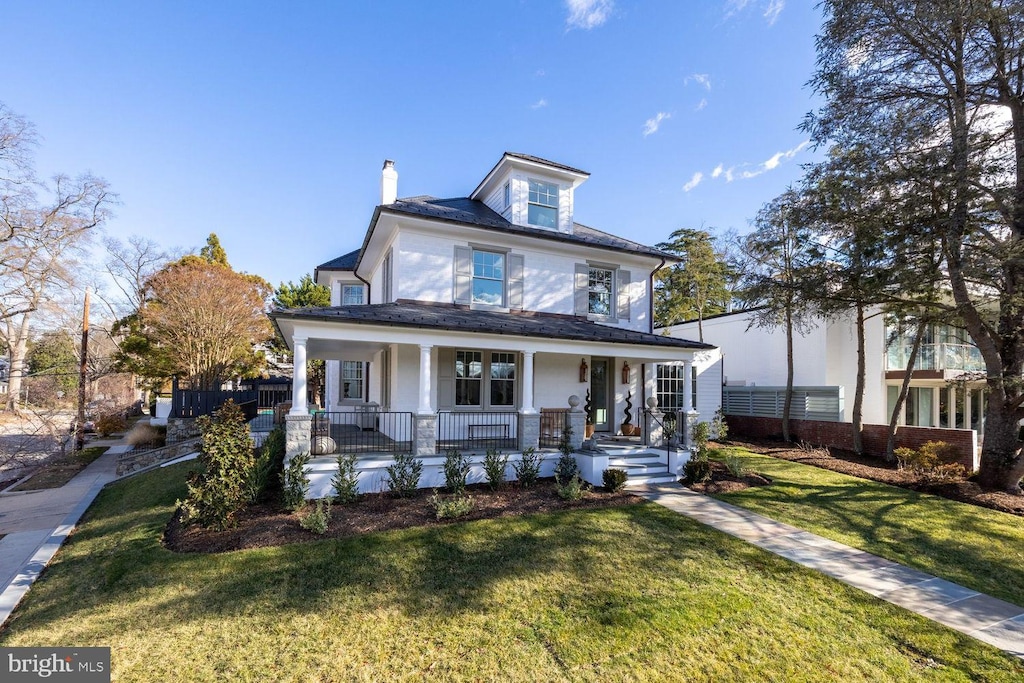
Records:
x=627, y=427
x=588, y=408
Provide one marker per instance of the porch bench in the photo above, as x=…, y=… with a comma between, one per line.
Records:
x=497, y=426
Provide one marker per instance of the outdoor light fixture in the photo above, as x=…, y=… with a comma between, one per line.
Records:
x=625, y=372
x=583, y=369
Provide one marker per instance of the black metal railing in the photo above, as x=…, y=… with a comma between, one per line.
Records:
x=477, y=431
x=552, y=426
x=365, y=431
x=672, y=424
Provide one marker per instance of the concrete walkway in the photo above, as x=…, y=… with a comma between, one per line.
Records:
x=34, y=524
x=978, y=615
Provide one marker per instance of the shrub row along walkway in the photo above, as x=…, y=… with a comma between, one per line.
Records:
x=978, y=615
x=34, y=524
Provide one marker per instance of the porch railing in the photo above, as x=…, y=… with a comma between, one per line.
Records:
x=552, y=426
x=365, y=431
x=477, y=431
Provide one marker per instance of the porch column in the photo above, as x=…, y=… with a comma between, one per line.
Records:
x=689, y=414
x=967, y=407
x=299, y=406
x=528, y=408
x=425, y=407
x=935, y=406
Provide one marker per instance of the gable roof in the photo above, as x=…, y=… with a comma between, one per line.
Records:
x=452, y=317
x=475, y=213
x=346, y=262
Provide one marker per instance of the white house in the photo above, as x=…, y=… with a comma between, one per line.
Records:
x=946, y=389
x=476, y=322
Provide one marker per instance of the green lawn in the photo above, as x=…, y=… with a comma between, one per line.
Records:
x=632, y=593
x=976, y=547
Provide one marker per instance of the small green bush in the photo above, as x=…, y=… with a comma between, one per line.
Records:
x=219, y=490
x=456, y=469
x=697, y=470
x=719, y=425
x=614, y=479
x=452, y=506
x=573, y=489
x=565, y=443
x=701, y=436
x=295, y=484
x=939, y=452
x=566, y=468
x=112, y=422
x=528, y=468
x=265, y=466
x=495, y=465
x=319, y=518
x=735, y=464
x=404, y=476
x=945, y=473
x=346, y=480
x=905, y=457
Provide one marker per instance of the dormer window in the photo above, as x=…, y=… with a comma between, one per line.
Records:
x=543, y=205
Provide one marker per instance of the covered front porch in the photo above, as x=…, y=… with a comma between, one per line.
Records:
x=462, y=381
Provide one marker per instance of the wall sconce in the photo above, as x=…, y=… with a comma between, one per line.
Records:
x=583, y=369
x=625, y=372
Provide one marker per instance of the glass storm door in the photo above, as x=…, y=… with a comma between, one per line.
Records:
x=600, y=389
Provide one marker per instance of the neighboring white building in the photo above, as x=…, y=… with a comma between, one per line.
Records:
x=471, y=321
x=826, y=355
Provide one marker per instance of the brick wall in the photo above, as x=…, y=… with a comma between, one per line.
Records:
x=840, y=435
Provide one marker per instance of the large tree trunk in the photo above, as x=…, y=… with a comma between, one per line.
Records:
x=890, y=440
x=858, y=395
x=787, y=403
x=18, y=369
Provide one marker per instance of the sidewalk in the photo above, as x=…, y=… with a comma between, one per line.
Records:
x=34, y=525
x=980, y=616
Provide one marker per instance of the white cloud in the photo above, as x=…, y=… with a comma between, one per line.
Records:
x=539, y=104
x=774, y=161
x=717, y=172
x=700, y=105
x=694, y=181
x=652, y=124
x=774, y=9
x=539, y=73
x=587, y=14
x=771, y=8
x=701, y=79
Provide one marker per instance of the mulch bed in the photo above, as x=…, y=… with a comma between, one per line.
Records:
x=876, y=469
x=723, y=481
x=261, y=526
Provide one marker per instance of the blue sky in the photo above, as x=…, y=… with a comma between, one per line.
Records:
x=268, y=122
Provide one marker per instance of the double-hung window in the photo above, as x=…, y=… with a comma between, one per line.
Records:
x=488, y=278
x=485, y=380
x=670, y=386
x=352, y=379
x=542, y=208
x=351, y=295
x=600, y=291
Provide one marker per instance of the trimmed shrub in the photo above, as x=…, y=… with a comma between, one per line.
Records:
x=451, y=507
x=265, y=466
x=111, y=423
x=456, y=469
x=319, y=518
x=614, y=479
x=346, y=480
x=945, y=473
x=573, y=489
x=528, y=468
x=404, y=476
x=219, y=491
x=905, y=457
x=566, y=468
x=295, y=483
x=939, y=452
x=495, y=465
x=696, y=470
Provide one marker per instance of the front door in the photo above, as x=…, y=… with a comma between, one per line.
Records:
x=600, y=394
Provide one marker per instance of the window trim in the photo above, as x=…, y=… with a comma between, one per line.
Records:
x=486, y=361
x=676, y=384
x=349, y=286
x=530, y=202
x=612, y=292
x=360, y=379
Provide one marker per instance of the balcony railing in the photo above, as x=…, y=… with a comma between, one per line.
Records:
x=960, y=357
x=477, y=431
x=366, y=431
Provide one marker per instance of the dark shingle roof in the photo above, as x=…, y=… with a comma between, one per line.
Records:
x=460, y=319
x=346, y=262
x=538, y=160
x=476, y=213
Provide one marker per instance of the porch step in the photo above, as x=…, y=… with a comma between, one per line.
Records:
x=641, y=466
x=650, y=478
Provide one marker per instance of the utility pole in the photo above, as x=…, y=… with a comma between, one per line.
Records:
x=80, y=429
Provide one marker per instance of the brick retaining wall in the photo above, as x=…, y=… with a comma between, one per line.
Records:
x=840, y=435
